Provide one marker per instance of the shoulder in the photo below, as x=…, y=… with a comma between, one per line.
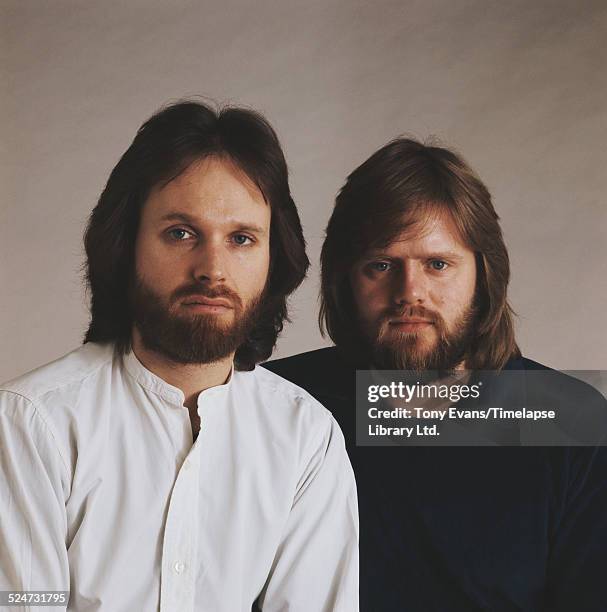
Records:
x=313, y=362
x=37, y=408
x=576, y=397
x=280, y=395
x=295, y=421
x=63, y=373
x=568, y=387
x=323, y=372
x=524, y=363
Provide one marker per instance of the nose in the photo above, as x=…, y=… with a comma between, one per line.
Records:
x=209, y=262
x=410, y=285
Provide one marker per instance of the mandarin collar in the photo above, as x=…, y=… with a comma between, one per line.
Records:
x=152, y=382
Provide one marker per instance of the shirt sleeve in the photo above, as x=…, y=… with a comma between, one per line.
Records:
x=316, y=566
x=33, y=488
x=578, y=556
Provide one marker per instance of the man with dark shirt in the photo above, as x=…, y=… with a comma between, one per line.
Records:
x=414, y=277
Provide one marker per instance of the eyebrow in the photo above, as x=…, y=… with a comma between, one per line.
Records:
x=452, y=255
x=444, y=255
x=185, y=218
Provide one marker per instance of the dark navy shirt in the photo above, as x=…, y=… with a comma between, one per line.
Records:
x=470, y=528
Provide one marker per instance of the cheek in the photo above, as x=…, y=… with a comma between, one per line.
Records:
x=159, y=268
x=256, y=260
x=250, y=271
x=468, y=288
x=453, y=297
x=145, y=257
x=370, y=297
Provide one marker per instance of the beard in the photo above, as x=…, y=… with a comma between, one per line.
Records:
x=191, y=339
x=393, y=350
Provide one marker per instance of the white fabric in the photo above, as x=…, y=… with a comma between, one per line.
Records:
x=103, y=494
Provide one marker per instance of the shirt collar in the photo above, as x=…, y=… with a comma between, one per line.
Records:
x=168, y=392
x=218, y=392
x=151, y=381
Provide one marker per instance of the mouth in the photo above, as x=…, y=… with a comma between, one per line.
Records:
x=410, y=325
x=205, y=304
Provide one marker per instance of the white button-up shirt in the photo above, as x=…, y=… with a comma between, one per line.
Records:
x=103, y=493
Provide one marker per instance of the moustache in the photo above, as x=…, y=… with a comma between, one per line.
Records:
x=417, y=312
x=219, y=291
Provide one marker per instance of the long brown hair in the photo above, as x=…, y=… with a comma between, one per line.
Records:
x=399, y=184
x=163, y=148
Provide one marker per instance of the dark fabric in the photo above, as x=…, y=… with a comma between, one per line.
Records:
x=470, y=528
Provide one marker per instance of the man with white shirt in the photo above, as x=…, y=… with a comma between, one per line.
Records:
x=155, y=468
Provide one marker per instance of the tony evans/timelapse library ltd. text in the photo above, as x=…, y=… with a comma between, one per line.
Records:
x=433, y=403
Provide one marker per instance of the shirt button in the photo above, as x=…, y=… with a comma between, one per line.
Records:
x=179, y=567
x=186, y=465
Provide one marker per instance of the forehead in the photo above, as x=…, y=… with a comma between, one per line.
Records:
x=432, y=231
x=211, y=188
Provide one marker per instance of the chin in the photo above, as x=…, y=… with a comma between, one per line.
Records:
x=223, y=320
x=419, y=341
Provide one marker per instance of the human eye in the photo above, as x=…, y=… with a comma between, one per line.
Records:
x=179, y=234
x=438, y=265
x=242, y=240
x=379, y=266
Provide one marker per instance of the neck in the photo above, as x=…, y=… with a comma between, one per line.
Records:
x=192, y=379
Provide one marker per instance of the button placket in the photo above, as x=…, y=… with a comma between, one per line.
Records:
x=179, y=547
x=179, y=567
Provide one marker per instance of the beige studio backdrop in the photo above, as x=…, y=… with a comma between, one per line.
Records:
x=519, y=88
